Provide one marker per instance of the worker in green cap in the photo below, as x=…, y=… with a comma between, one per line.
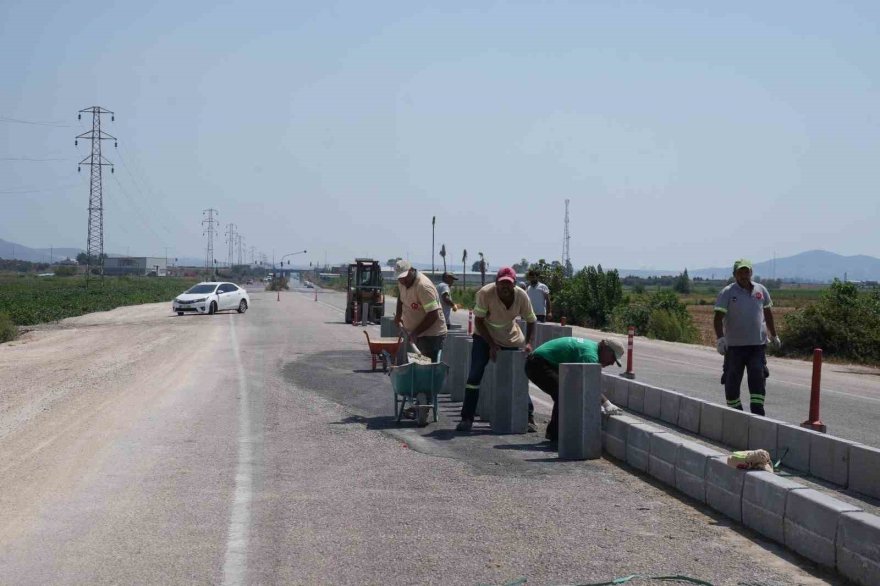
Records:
x=743, y=327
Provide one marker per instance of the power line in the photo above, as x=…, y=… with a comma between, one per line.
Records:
x=29, y=159
x=34, y=123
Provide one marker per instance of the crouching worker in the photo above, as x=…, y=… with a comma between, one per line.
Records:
x=542, y=368
x=497, y=307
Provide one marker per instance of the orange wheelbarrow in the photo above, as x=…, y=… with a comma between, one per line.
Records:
x=380, y=346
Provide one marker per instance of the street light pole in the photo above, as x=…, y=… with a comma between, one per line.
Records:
x=433, y=222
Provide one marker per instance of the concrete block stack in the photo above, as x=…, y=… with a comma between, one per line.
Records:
x=509, y=409
x=580, y=422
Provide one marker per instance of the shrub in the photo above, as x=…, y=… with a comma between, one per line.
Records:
x=277, y=284
x=8, y=331
x=672, y=327
x=843, y=323
x=65, y=271
x=659, y=315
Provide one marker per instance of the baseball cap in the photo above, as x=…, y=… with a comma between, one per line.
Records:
x=615, y=347
x=742, y=263
x=450, y=275
x=506, y=274
x=401, y=268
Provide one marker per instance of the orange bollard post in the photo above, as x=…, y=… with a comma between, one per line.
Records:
x=355, y=315
x=316, y=294
x=813, y=421
x=631, y=333
x=470, y=322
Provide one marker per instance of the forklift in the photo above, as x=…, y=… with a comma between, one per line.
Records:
x=365, y=285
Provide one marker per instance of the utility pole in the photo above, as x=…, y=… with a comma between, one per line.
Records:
x=566, y=251
x=95, y=238
x=253, y=255
x=230, y=244
x=209, y=232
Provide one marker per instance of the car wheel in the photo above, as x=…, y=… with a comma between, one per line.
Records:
x=242, y=306
x=212, y=309
x=179, y=313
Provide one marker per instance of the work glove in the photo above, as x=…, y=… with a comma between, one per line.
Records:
x=609, y=408
x=721, y=345
x=776, y=342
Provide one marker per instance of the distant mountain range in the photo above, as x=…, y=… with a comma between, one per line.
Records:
x=811, y=266
x=11, y=250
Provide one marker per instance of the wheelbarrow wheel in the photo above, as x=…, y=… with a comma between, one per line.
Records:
x=422, y=407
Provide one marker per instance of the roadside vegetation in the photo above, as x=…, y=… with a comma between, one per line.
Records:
x=29, y=300
x=8, y=330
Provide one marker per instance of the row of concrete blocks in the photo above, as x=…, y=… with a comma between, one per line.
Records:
x=845, y=463
x=823, y=529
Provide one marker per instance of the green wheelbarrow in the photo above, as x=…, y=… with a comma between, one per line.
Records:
x=418, y=386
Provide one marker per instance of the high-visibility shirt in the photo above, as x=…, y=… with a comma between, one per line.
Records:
x=501, y=320
x=418, y=301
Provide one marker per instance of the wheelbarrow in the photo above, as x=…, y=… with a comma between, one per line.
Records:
x=417, y=385
x=382, y=348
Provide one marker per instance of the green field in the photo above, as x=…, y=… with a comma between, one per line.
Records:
x=31, y=300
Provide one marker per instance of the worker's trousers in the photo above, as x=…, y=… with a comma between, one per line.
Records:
x=546, y=376
x=748, y=360
x=479, y=360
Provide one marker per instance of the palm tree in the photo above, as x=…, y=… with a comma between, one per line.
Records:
x=443, y=254
x=463, y=268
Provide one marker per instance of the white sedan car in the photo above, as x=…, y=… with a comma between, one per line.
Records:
x=210, y=298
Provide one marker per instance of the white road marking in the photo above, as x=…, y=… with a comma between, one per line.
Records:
x=235, y=563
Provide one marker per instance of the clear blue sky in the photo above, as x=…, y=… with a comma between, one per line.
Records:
x=686, y=134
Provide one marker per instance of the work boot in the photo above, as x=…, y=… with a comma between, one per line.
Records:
x=464, y=425
x=533, y=427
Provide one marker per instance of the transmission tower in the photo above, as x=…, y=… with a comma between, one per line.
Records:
x=208, y=222
x=230, y=243
x=240, y=242
x=253, y=255
x=95, y=238
x=566, y=237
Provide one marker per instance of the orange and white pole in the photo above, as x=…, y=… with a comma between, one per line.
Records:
x=631, y=333
x=356, y=314
x=813, y=421
x=316, y=294
x=470, y=322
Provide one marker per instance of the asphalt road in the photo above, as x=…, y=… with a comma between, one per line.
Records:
x=850, y=405
x=139, y=447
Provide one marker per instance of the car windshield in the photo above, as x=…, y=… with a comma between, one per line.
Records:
x=202, y=289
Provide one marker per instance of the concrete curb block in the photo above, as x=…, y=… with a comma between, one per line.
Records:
x=734, y=428
x=793, y=444
x=712, y=421
x=508, y=410
x=638, y=445
x=653, y=400
x=858, y=547
x=580, y=422
x=661, y=461
x=811, y=520
x=724, y=488
x=615, y=430
x=829, y=458
x=763, y=503
x=690, y=469
x=763, y=433
x=621, y=392
x=670, y=403
x=636, y=398
x=690, y=411
x=864, y=470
